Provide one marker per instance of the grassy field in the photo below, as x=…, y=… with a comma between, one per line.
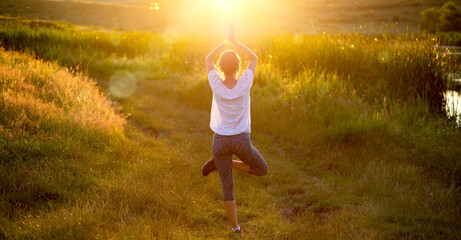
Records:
x=103, y=135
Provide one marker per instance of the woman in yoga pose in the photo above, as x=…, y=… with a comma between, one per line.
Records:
x=231, y=120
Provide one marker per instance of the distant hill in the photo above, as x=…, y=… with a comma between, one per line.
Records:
x=199, y=17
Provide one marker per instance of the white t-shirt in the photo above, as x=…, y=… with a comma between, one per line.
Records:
x=230, y=109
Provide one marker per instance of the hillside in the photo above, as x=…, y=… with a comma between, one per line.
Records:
x=45, y=107
x=252, y=17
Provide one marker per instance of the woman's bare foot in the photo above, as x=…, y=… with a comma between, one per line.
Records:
x=208, y=167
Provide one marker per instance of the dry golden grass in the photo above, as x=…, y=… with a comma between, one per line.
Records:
x=38, y=97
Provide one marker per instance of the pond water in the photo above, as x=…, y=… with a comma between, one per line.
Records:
x=453, y=96
x=453, y=104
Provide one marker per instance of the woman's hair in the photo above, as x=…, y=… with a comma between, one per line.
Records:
x=229, y=62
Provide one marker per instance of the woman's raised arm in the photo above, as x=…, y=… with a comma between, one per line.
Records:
x=240, y=46
x=212, y=55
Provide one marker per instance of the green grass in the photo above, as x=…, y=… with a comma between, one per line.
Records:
x=355, y=148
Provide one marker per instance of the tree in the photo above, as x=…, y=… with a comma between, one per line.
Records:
x=429, y=21
x=445, y=19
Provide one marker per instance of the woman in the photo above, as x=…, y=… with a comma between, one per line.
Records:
x=230, y=120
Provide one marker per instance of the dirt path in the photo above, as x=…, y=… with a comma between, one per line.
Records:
x=273, y=199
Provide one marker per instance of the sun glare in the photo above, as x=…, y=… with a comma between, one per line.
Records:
x=226, y=4
x=214, y=16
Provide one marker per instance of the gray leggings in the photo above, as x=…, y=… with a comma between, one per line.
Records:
x=240, y=145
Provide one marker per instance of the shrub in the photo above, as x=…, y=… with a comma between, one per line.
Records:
x=444, y=19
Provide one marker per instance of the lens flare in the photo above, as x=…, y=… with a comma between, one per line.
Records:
x=383, y=57
x=122, y=84
x=154, y=6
